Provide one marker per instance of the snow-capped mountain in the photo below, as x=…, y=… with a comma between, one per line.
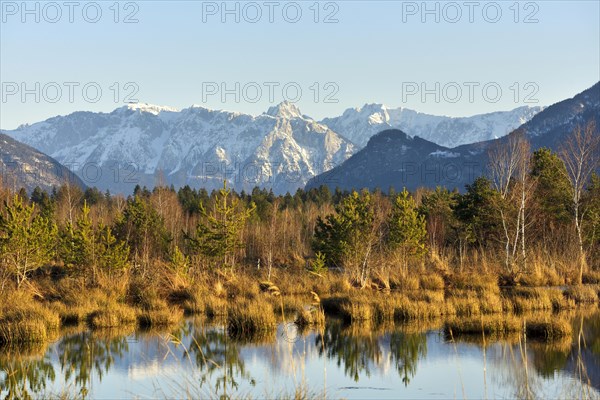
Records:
x=141, y=143
x=360, y=124
x=392, y=158
x=280, y=149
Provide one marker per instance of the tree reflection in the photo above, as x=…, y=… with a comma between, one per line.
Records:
x=84, y=354
x=214, y=352
x=355, y=349
x=24, y=371
x=406, y=350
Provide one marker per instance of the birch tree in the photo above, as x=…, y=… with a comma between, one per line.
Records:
x=580, y=154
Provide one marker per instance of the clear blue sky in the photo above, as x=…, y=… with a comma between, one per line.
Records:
x=373, y=53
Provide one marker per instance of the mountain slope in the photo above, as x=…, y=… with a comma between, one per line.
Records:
x=135, y=144
x=360, y=124
x=393, y=159
x=23, y=166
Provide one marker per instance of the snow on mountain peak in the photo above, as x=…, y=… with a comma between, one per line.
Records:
x=149, y=108
x=193, y=145
x=284, y=109
x=360, y=124
x=196, y=146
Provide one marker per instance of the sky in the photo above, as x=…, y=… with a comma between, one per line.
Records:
x=446, y=58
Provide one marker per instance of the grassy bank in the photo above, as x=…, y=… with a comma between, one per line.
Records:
x=249, y=304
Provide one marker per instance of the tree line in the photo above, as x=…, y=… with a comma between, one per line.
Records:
x=531, y=212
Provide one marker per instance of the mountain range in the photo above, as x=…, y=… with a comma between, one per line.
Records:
x=360, y=124
x=280, y=149
x=392, y=158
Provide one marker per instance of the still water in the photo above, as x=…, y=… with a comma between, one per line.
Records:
x=199, y=360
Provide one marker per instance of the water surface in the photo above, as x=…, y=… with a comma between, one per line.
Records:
x=198, y=359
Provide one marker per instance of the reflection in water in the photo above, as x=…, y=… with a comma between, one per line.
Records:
x=406, y=350
x=81, y=355
x=201, y=360
x=356, y=350
x=24, y=372
x=215, y=352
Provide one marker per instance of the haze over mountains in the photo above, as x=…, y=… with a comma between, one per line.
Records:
x=394, y=159
x=280, y=149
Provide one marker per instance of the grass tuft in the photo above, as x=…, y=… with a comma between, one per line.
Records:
x=251, y=318
x=112, y=315
x=548, y=330
x=582, y=294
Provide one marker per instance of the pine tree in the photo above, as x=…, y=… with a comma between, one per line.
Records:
x=26, y=239
x=438, y=207
x=217, y=235
x=77, y=243
x=84, y=247
x=143, y=229
x=552, y=186
x=476, y=212
x=179, y=262
x=347, y=238
x=407, y=231
x=113, y=254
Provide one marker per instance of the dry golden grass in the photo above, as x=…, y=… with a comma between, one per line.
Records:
x=385, y=307
x=337, y=284
x=251, y=318
x=488, y=325
x=475, y=281
x=431, y=282
x=582, y=294
x=426, y=295
x=537, y=299
x=310, y=317
x=112, y=315
x=549, y=329
x=591, y=278
x=463, y=306
x=356, y=311
x=23, y=319
x=215, y=306
x=406, y=310
x=405, y=283
x=159, y=317
x=291, y=305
